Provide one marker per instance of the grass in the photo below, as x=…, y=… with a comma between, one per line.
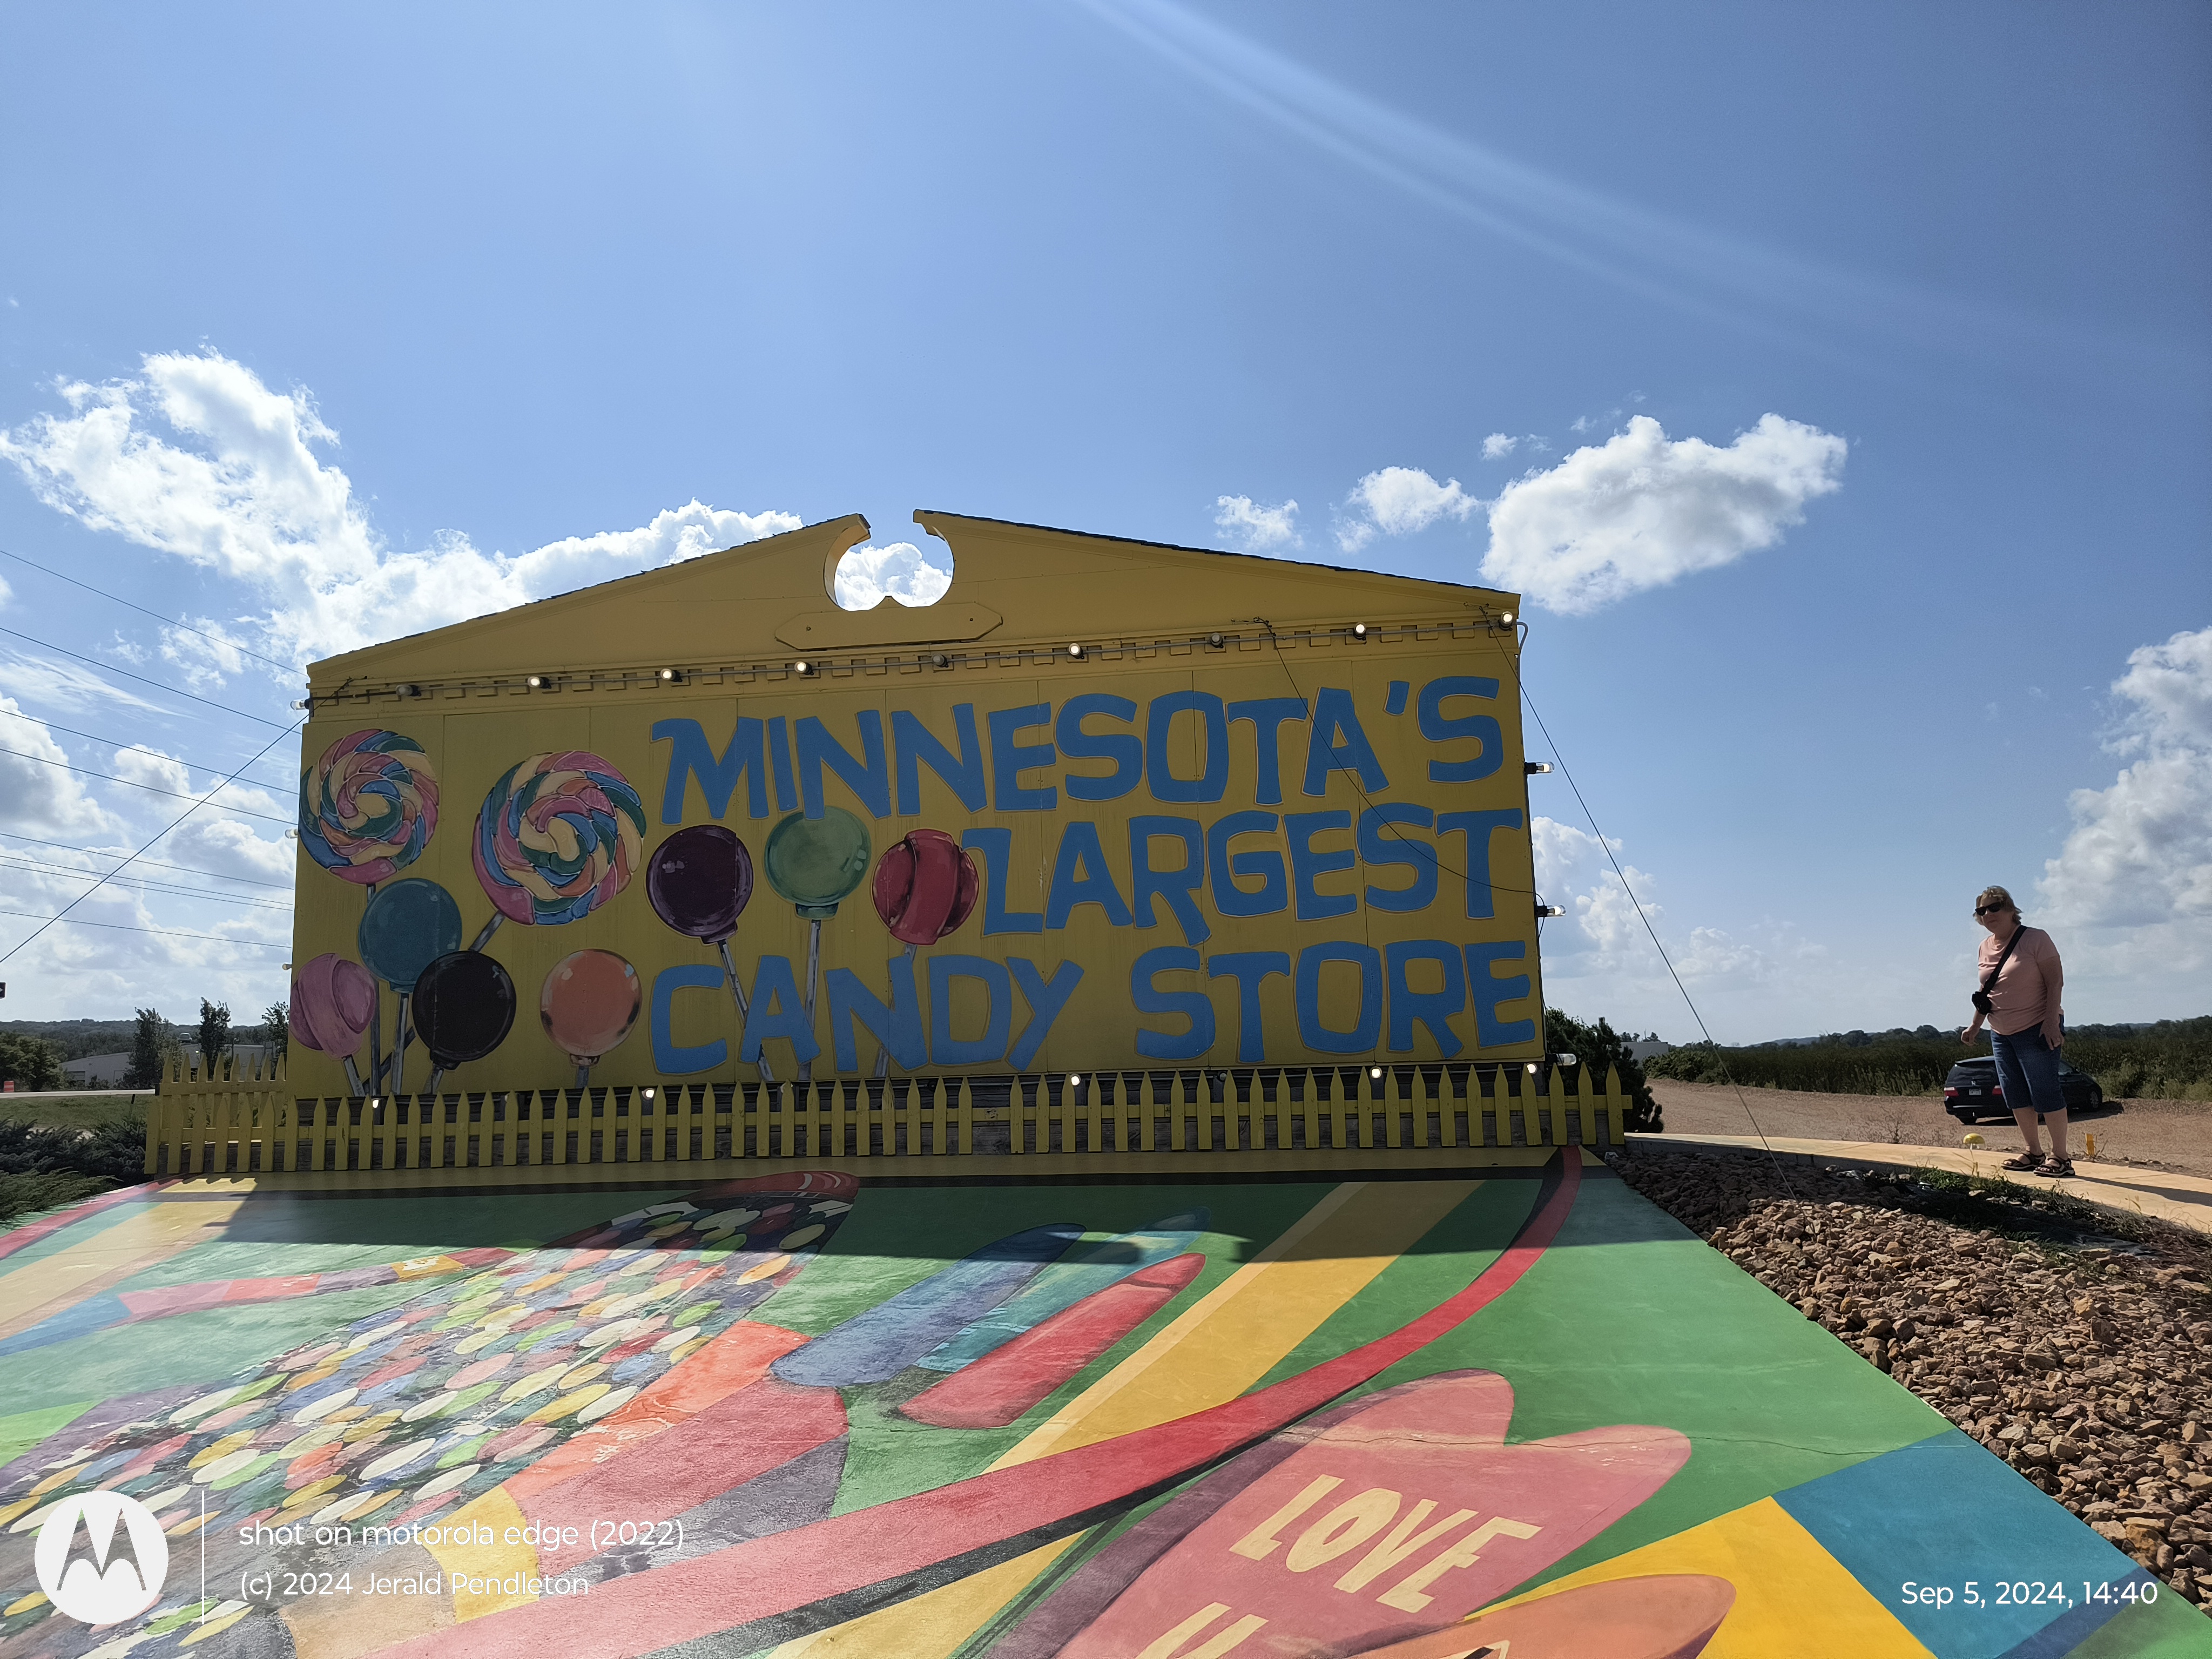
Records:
x=2037, y=1214
x=78, y=1112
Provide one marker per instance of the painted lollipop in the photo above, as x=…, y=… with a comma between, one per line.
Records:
x=814, y=863
x=463, y=1009
x=368, y=807
x=699, y=881
x=589, y=1003
x=559, y=835
x=925, y=887
x=333, y=1000
x=408, y=925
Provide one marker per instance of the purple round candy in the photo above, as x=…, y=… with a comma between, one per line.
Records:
x=700, y=880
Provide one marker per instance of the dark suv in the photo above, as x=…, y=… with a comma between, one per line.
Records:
x=1972, y=1091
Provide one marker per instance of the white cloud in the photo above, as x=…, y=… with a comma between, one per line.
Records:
x=1250, y=527
x=198, y=458
x=1581, y=423
x=36, y=796
x=65, y=685
x=2133, y=878
x=6, y=592
x=900, y=569
x=1399, y=501
x=1497, y=446
x=1601, y=944
x=1641, y=510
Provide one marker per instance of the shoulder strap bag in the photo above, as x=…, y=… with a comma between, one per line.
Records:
x=1981, y=1003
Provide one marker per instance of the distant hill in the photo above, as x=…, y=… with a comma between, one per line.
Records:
x=1924, y=1033
x=75, y=1038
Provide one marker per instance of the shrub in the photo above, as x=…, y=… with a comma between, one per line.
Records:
x=24, y=1194
x=1598, y=1046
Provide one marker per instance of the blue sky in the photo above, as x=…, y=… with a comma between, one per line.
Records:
x=322, y=327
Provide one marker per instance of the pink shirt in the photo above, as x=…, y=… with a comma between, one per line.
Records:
x=2027, y=993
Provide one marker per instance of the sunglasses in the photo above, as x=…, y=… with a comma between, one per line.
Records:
x=1984, y=909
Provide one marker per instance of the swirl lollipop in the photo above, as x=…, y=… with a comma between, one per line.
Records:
x=814, y=863
x=699, y=881
x=407, y=925
x=558, y=836
x=333, y=1000
x=925, y=887
x=463, y=1009
x=368, y=807
x=589, y=1002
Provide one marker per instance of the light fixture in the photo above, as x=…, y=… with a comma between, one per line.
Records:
x=1217, y=640
x=648, y=1094
x=1075, y=651
x=293, y=834
x=1505, y=616
x=939, y=659
x=411, y=690
x=1532, y=1068
x=804, y=669
x=304, y=703
x=1550, y=911
x=1359, y=630
x=537, y=682
x=671, y=676
x=1074, y=1079
x=1564, y=1060
x=1375, y=1072
x=1532, y=768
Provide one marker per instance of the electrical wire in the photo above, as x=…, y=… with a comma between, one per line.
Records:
x=150, y=788
x=40, y=867
x=139, y=747
x=164, y=831
x=126, y=928
x=1521, y=686
x=115, y=599
x=110, y=668
x=186, y=869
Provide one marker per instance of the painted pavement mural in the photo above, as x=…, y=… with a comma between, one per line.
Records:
x=802, y=1414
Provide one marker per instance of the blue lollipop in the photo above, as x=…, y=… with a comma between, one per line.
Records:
x=407, y=925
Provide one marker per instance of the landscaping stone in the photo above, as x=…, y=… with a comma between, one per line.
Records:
x=2076, y=1347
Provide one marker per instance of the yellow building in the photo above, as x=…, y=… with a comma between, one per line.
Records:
x=1106, y=805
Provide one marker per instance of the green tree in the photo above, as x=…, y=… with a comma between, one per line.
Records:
x=29, y=1062
x=1597, y=1047
x=277, y=1027
x=215, y=1032
x=150, y=1047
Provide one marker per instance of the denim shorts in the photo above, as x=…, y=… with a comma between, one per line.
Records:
x=2027, y=1070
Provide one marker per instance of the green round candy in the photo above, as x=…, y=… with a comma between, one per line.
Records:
x=815, y=862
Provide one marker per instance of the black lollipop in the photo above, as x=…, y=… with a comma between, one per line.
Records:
x=699, y=881
x=463, y=1009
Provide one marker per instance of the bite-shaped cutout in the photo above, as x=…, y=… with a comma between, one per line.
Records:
x=913, y=575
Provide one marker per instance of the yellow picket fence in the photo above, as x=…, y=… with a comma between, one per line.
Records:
x=242, y=1120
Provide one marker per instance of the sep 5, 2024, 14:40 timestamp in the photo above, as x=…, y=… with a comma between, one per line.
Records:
x=2021, y=1593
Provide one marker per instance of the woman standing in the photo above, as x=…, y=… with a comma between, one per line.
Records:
x=2020, y=983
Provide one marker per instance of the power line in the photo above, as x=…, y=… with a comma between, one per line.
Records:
x=101, y=853
x=1521, y=685
x=150, y=788
x=110, y=668
x=94, y=737
x=16, y=861
x=165, y=830
x=232, y=645
x=125, y=928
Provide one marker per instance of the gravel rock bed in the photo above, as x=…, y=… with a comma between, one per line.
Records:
x=2074, y=1344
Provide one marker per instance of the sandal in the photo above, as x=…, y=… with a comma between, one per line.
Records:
x=2058, y=1169
x=2025, y=1161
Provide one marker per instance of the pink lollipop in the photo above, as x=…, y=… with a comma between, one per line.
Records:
x=926, y=886
x=333, y=1000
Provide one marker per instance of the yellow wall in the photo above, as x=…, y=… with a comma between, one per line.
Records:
x=467, y=707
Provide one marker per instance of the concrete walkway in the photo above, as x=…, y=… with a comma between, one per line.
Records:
x=2161, y=1195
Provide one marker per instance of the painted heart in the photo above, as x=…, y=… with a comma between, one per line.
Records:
x=1399, y=1518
